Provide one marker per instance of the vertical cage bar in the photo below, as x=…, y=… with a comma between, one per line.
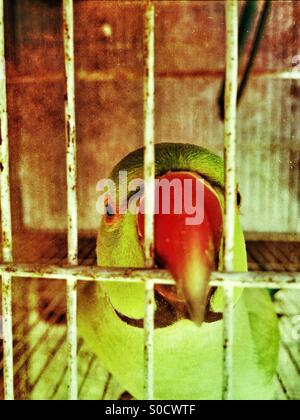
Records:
x=149, y=340
x=230, y=184
x=6, y=223
x=149, y=185
x=68, y=21
x=149, y=131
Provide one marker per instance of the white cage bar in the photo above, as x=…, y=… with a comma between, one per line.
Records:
x=149, y=188
x=71, y=166
x=7, y=248
x=148, y=276
x=250, y=280
x=231, y=89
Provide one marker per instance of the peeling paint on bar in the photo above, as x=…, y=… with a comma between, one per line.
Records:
x=257, y=280
x=72, y=337
x=228, y=340
x=6, y=222
x=149, y=131
x=149, y=185
x=149, y=340
x=87, y=273
x=71, y=131
x=7, y=326
x=251, y=279
x=68, y=21
x=231, y=90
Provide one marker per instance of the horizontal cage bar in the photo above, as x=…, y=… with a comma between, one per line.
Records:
x=250, y=279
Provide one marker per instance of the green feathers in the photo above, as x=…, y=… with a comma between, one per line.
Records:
x=175, y=157
x=188, y=359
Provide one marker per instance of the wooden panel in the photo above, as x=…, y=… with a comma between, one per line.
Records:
x=190, y=62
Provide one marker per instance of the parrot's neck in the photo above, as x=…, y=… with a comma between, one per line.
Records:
x=167, y=314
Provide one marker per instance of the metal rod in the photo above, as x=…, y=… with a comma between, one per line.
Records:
x=230, y=130
x=7, y=330
x=72, y=337
x=70, y=132
x=149, y=340
x=149, y=131
x=228, y=340
x=231, y=89
x=86, y=273
x=251, y=280
x=149, y=188
x=68, y=19
x=7, y=249
x=257, y=280
x=260, y=30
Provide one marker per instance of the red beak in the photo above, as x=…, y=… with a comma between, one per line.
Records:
x=188, y=231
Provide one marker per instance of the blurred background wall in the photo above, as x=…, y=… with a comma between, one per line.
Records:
x=190, y=43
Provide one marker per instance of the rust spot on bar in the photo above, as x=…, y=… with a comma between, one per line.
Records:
x=68, y=128
x=128, y=272
x=68, y=18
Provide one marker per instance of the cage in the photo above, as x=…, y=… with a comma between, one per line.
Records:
x=123, y=57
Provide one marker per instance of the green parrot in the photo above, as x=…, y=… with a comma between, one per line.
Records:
x=188, y=338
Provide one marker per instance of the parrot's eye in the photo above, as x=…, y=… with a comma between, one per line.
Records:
x=109, y=210
x=112, y=212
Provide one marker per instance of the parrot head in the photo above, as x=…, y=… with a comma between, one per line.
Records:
x=189, y=208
